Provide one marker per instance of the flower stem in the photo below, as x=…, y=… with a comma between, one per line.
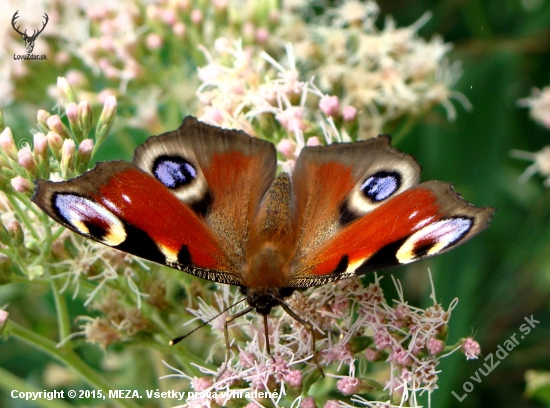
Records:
x=63, y=319
x=69, y=358
x=23, y=215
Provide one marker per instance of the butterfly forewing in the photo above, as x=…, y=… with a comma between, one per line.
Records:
x=232, y=172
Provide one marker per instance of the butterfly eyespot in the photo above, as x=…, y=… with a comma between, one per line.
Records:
x=434, y=238
x=90, y=218
x=381, y=185
x=174, y=171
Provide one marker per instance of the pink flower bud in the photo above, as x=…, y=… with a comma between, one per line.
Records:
x=291, y=119
x=349, y=385
x=7, y=144
x=313, y=141
x=109, y=108
x=401, y=312
x=330, y=105
x=55, y=142
x=261, y=36
x=21, y=184
x=471, y=348
x=42, y=116
x=294, y=378
x=68, y=148
x=67, y=154
x=65, y=90
x=62, y=57
x=401, y=356
x=179, y=29
x=382, y=340
x=287, y=148
x=212, y=115
x=76, y=78
x=435, y=346
x=332, y=404
x=103, y=95
x=153, y=41
x=201, y=384
x=26, y=159
x=41, y=146
x=169, y=17
x=196, y=16
x=85, y=150
x=349, y=113
x=72, y=111
x=371, y=354
x=85, y=117
x=54, y=123
x=106, y=120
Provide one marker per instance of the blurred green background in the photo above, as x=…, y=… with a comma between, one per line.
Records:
x=500, y=277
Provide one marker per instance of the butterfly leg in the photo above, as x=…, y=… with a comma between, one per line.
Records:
x=266, y=334
x=228, y=320
x=308, y=327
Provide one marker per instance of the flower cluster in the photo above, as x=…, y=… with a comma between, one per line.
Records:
x=248, y=89
x=389, y=349
x=388, y=74
x=539, y=110
x=62, y=147
x=125, y=44
x=539, y=105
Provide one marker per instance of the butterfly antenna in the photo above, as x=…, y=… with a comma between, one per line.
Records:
x=180, y=338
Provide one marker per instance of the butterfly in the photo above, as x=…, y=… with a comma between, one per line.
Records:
x=208, y=201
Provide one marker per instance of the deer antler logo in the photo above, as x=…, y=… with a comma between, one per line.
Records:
x=29, y=39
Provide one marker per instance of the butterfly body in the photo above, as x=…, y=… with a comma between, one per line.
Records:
x=207, y=201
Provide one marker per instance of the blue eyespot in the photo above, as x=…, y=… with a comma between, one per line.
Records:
x=381, y=185
x=174, y=171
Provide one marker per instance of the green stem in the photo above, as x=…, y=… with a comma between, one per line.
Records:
x=10, y=383
x=46, y=248
x=63, y=319
x=23, y=216
x=67, y=357
x=14, y=256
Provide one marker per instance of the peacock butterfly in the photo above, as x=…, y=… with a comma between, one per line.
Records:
x=207, y=201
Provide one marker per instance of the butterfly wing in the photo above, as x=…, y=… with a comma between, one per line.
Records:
x=374, y=215
x=177, y=204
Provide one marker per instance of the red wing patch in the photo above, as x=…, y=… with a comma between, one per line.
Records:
x=146, y=204
x=395, y=220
